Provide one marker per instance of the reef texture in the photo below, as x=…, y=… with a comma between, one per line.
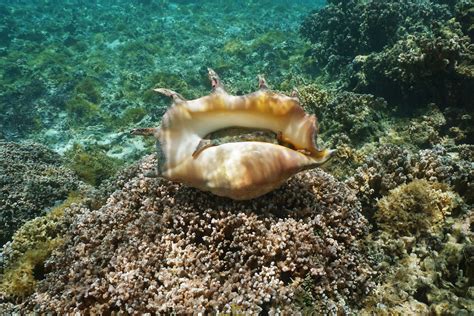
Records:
x=393, y=165
x=32, y=179
x=415, y=208
x=406, y=51
x=422, y=67
x=343, y=30
x=431, y=273
x=161, y=247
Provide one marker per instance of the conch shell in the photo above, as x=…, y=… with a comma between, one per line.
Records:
x=243, y=169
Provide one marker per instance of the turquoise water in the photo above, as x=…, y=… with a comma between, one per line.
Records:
x=385, y=227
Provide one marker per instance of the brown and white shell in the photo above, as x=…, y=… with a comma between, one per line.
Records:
x=238, y=170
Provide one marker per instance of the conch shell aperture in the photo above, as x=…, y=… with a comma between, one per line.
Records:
x=239, y=147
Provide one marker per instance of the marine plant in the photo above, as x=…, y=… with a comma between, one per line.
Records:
x=31, y=245
x=91, y=163
x=81, y=111
x=132, y=115
x=89, y=88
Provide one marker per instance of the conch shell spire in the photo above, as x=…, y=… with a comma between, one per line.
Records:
x=239, y=147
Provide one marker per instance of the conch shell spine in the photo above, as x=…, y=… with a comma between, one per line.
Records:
x=239, y=170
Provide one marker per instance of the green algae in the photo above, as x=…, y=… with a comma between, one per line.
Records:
x=92, y=164
x=81, y=111
x=89, y=88
x=133, y=115
x=32, y=244
x=416, y=208
x=20, y=281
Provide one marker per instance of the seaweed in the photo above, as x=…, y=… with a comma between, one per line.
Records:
x=91, y=163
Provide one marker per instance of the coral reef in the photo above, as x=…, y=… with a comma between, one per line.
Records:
x=343, y=30
x=415, y=208
x=392, y=166
x=422, y=67
x=405, y=51
x=360, y=117
x=390, y=232
x=23, y=258
x=429, y=276
x=350, y=122
x=425, y=246
x=424, y=131
x=158, y=246
x=32, y=179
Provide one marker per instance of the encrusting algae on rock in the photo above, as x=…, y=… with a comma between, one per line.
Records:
x=271, y=139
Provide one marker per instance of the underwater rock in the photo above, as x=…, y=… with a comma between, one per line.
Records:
x=162, y=247
x=32, y=179
x=235, y=146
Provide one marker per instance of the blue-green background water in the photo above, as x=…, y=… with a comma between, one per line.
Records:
x=119, y=50
x=387, y=227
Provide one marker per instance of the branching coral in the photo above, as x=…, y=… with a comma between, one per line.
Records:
x=157, y=246
x=31, y=180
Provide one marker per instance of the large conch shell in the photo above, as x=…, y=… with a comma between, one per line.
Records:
x=239, y=170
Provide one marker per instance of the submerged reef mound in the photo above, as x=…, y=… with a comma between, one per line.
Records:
x=156, y=246
x=394, y=165
x=417, y=207
x=32, y=179
x=343, y=30
x=409, y=52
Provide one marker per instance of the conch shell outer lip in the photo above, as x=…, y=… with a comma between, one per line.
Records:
x=238, y=170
